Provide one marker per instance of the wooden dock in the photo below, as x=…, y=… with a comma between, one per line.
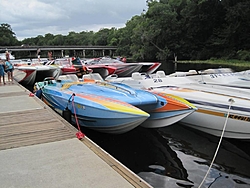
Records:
x=38, y=148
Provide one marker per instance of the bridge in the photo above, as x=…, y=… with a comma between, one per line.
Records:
x=60, y=51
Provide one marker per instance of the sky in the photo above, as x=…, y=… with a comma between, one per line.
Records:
x=30, y=18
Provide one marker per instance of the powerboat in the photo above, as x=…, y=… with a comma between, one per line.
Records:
x=76, y=66
x=103, y=70
x=124, y=69
x=70, y=66
x=164, y=109
x=218, y=108
x=222, y=76
x=29, y=74
x=100, y=113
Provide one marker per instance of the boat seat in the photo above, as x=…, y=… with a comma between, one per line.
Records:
x=136, y=76
x=71, y=77
x=178, y=74
x=96, y=76
x=92, y=76
x=86, y=76
x=160, y=74
x=62, y=77
x=192, y=72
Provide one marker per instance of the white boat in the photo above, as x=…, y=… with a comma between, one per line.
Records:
x=223, y=77
x=216, y=106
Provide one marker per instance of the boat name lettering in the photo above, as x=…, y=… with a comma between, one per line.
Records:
x=223, y=74
x=243, y=118
x=156, y=80
x=80, y=106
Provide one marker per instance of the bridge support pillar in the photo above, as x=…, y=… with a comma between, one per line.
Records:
x=83, y=53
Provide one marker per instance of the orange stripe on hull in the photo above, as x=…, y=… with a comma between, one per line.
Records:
x=173, y=103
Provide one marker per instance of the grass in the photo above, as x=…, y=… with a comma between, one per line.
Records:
x=238, y=63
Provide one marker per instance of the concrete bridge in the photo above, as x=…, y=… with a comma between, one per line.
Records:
x=61, y=51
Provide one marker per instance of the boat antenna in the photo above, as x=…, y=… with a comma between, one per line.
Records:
x=203, y=82
x=231, y=100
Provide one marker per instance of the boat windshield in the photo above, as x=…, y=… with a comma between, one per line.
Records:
x=77, y=61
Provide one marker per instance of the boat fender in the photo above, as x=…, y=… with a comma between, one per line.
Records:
x=66, y=114
x=39, y=93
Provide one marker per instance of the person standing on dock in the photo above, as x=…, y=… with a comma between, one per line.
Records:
x=2, y=66
x=7, y=56
x=9, y=70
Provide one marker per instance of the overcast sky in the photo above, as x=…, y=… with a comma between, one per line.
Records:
x=30, y=18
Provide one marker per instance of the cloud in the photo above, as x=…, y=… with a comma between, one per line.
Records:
x=30, y=18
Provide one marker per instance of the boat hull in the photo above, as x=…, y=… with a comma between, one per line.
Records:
x=211, y=115
x=103, y=70
x=119, y=127
x=214, y=123
x=25, y=77
x=102, y=114
x=125, y=69
x=173, y=111
x=158, y=120
x=28, y=75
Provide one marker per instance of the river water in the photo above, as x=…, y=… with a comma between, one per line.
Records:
x=177, y=156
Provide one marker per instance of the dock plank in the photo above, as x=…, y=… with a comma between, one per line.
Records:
x=36, y=123
x=31, y=127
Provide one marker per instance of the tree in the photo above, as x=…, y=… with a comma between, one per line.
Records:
x=101, y=37
x=235, y=32
x=8, y=37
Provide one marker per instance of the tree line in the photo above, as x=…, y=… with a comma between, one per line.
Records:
x=183, y=29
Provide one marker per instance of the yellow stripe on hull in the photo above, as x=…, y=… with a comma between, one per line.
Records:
x=114, y=105
x=221, y=114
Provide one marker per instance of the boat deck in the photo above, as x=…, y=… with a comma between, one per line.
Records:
x=38, y=148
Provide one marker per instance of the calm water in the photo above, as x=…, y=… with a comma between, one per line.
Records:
x=177, y=156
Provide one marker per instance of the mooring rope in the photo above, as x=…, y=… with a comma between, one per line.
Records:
x=79, y=134
x=222, y=133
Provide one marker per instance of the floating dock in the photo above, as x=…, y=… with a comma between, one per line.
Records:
x=38, y=148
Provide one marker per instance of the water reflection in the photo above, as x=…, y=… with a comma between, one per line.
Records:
x=176, y=156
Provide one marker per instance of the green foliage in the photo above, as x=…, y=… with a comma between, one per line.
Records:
x=243, y=55
x=8, y=37
x=222, y=62
x=188, y=29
